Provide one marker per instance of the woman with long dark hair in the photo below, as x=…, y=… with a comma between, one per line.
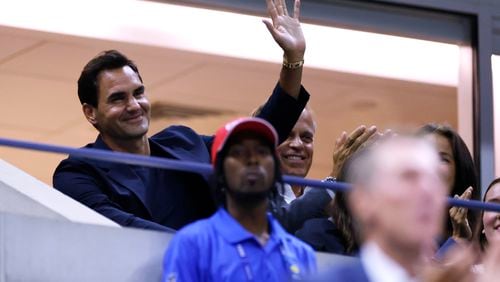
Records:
x=337, y=234
x=460, y=174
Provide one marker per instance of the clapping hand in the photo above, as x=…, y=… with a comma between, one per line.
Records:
x=346, y=145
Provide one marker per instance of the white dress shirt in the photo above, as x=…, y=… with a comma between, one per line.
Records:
x=380, y=267
x=287, y=193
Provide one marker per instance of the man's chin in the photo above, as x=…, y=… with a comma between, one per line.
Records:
x=248, y=199
x=136, y=133
x=299, y=172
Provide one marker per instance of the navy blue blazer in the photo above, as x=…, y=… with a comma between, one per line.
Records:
x=117, y=192
x=323, y=235
x=310, y=205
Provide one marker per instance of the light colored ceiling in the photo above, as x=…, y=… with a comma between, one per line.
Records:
x=38, y=74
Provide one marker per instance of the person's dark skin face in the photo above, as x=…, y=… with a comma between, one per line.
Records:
x=249, y=165
x=249, y=169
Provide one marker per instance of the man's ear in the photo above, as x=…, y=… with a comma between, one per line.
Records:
x=90, y=113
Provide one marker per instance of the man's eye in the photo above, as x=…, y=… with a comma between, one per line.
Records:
x=235, y=152
x=116, y=98
x=263, y=150
x=307, y=139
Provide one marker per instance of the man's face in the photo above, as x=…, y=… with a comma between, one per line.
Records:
x=296, y=152
x=123, y=111
x=248, y=165
x=406, y=194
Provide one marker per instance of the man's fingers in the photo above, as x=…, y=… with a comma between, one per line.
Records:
x=342, y=139
x=372, y=130
x=270, y=27
x=355, y=134
x=285, y=9
x=296, y=9
x=271, y=9
x=279, y=7
x=364, y=137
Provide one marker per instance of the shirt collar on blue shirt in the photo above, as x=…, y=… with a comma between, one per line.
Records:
x=232, y=231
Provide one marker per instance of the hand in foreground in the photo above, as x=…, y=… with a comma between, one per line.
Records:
x=456, y=267
x=286, y=30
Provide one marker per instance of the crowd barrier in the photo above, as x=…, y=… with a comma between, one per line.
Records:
x=204, y=169
x=47, y=236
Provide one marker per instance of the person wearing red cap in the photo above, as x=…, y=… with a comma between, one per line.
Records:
x=241, y=241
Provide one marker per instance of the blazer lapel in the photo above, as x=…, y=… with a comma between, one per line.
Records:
x=123, y=175
x=181, y=143
x=184, y=145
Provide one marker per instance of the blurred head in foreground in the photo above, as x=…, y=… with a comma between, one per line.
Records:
x=399, y=196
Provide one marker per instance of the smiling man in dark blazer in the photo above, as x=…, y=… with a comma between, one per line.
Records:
x=114, y=101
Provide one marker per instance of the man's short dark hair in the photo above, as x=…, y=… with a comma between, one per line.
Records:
x=88, y=87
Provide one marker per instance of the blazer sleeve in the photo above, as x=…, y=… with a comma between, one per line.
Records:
x=283, y=111
x=310, y=205
x=80, y=183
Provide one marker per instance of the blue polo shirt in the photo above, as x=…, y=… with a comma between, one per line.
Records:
x=220, y=249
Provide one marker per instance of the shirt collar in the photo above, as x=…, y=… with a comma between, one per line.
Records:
x=287, y=192
x=380, y=267
x=232, y=231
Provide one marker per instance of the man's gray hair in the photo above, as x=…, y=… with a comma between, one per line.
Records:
x=362, y=165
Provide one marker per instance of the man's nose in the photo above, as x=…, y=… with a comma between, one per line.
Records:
x=133, y=104
x=252, y=158
x=433, y=188
x=296, y=142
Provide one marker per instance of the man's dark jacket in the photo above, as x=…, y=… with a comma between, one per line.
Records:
x=116, y=191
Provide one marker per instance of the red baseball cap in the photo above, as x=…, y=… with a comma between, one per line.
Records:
x=248, y=124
